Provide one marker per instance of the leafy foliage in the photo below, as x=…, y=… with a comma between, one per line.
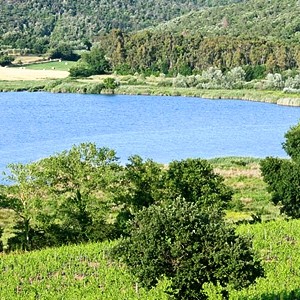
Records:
x=195, y=181
x=5, y=60
x=283, y=176
x=275, y=20
x=292, y=143
x=38, y=26
x=172, y=53
x=91, y=63
x=65, y=52
x=64, y=198
x=189, y=244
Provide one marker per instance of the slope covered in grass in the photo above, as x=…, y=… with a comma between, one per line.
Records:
x=87, y=272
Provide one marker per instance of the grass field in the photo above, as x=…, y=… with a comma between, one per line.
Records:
x=250, y=191
x=52, y=65
x=21, y=74
x=87, y=272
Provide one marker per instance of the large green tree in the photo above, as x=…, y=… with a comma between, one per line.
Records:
x=194, y=180
x=63, y=198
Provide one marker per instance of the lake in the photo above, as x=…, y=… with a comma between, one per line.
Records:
x=36, y=125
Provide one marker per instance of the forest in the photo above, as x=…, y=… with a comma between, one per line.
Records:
x=37, y=26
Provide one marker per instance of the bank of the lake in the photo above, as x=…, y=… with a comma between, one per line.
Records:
x=92, y=87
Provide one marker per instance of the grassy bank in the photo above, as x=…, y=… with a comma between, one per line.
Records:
x=149, y=87
x=276, y=97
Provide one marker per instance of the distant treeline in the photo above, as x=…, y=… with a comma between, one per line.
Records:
x=170, y=53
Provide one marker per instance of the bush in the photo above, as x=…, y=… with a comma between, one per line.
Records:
x=81, y=70
x=254, y=72
x=283, y=179
x=213, y=78
x=191, y=246
x=293, y=82
x=110, y=83
x=64, y=51
x=5, y=60
x=273, y=82
x=235, y=78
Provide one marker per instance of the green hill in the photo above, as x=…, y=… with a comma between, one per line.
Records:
x=252, y=33
x=276, y=19
x=34, y=24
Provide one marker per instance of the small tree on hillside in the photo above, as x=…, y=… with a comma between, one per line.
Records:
x=292, y=142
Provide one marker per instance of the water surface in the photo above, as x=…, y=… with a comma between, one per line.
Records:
x=36, y=125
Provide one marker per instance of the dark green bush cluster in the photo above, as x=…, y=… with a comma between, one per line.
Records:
x=283, y=176
x=181, y=234
x=91, y=63
x=5, y=60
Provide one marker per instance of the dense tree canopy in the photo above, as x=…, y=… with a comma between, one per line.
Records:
x=37, y=25
x=172, y=53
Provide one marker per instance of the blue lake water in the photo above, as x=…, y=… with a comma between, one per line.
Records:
x=36, y=125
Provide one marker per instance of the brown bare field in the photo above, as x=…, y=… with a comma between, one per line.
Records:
x=11, y=74
x=25, y=59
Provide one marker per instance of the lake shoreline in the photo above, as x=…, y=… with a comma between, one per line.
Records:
x=79, y=87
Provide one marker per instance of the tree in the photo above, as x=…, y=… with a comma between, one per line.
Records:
x=190, y=245
x=110, y=84
x=292, y=143
x=64, y=198
x=25, y=201
x=140, y=186
x=194, y=180
x=91, y=63
x=96, y=60
x=63, y=51
x=80, y=180
x=283, y=176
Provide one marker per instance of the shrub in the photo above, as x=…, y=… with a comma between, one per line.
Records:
x=235, y=78
x=5, y=60
x=293, y=82
x=292, y=142
x=81, y=70
x=191, y=246
x=273, y=82
x=213, y=78
x=110, y=83
x=63, y=51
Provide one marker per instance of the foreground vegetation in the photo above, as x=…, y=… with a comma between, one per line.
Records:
x=86, y=271
x=171, y=225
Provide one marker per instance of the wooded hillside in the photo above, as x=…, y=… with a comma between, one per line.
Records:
x=276, y=19
x=36, y=24
x=252, y=33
